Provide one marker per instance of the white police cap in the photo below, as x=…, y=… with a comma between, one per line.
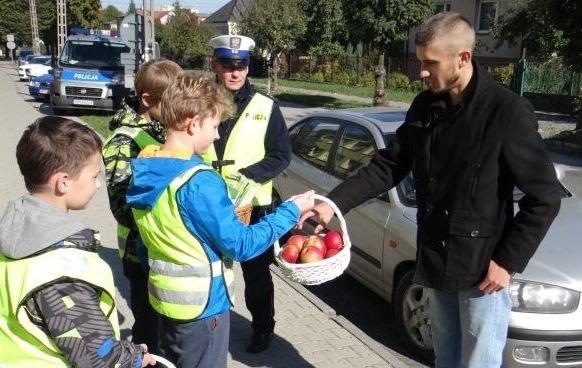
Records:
x=233, y=50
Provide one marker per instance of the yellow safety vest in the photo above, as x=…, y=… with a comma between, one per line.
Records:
x=245, y=145
x=25, y=344
x=181, y=273
x=142, y=139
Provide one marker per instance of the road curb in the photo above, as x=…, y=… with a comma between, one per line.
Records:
x=376, y=347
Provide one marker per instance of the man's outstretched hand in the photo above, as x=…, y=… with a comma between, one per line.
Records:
x=322, y=211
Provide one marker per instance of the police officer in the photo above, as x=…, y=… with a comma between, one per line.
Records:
x=253, y=143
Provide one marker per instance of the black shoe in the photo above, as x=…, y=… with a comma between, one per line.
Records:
x=260, y=342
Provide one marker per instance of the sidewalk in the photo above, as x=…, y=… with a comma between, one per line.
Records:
x=308, y=332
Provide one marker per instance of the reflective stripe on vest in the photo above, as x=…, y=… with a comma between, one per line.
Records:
x=181, y=272
x=246, y=145
x=142, y=139
x=22, y=342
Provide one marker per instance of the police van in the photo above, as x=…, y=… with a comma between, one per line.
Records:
x=89, y=74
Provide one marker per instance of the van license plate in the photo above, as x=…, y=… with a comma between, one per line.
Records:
x=83, y=102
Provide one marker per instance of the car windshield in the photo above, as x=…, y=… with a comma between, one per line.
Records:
x=92, y=54
x=38, y=60
x=24, y=53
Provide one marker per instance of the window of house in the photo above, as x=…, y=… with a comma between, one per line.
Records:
x=443, y=7
x=487, y=16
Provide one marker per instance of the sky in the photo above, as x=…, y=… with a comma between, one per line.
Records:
x=203, y=6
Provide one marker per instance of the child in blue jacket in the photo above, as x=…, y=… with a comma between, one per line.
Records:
x=188, y=224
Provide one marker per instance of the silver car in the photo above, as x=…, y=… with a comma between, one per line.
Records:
x=546, y=320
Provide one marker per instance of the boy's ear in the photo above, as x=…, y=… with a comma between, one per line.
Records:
x=61, y=183
x=193, y=124
x=144, y=99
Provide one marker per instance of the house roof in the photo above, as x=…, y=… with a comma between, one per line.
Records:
x=158, y=14
x=233, y=11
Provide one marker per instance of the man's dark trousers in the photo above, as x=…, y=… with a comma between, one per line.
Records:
x=259, y=289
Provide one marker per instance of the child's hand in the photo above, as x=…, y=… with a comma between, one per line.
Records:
x=304, y=201
x=147, y=358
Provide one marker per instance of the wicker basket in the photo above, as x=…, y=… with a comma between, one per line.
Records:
x=163, y=361
x=327, y=269
x=244, y=213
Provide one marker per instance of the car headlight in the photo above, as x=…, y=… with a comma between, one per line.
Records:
x=534, y=297
x=34, y=84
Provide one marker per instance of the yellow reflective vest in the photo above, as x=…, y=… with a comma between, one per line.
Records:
x=181, y=272
x=142, y=139
x=25, y=344
x=245, y=145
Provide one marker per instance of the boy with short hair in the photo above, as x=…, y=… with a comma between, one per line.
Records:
x=57, y=305
x=132, y=131
x=188, y=223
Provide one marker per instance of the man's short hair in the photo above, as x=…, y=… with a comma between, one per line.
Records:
x=54, y=144
x=154, y=77
x=194, y=95
x=449, y=28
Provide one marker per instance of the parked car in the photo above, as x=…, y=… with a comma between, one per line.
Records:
x=546, y=319
x=35, y=66
x=22, y=56
x=39, y=87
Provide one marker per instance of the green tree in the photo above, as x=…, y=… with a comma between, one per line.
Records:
x=326, y=32
x=131, y=9
x=382, y=23
x=110, y=13
x=84, y=13
x=545, y=27
x=275, y=25
x=183, y=36
x=15, y=20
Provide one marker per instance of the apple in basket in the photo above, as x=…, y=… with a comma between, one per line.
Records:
x=311, y=254
x=315, y=241
x=290, y=253
x=333, y=240
x=332, y=252
x=296, y=241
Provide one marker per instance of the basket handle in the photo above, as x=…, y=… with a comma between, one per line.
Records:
x=163, y=361
x=342, y=221
x=340, y=217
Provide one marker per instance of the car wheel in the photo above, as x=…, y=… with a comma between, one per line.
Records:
x=411, y=307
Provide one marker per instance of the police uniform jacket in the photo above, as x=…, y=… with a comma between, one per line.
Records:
x=466, y=161
x=277, y=143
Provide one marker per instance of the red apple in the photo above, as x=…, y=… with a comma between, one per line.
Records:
x=315, y=241
x=333, y=240
x=290, y=254
x=296, y=241
x=311, y=254
x=331, y=252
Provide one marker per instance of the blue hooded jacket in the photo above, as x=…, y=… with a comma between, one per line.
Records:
x=208, y=214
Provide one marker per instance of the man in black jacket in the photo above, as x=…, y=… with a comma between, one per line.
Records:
x=469, y=142
x=254, y=144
